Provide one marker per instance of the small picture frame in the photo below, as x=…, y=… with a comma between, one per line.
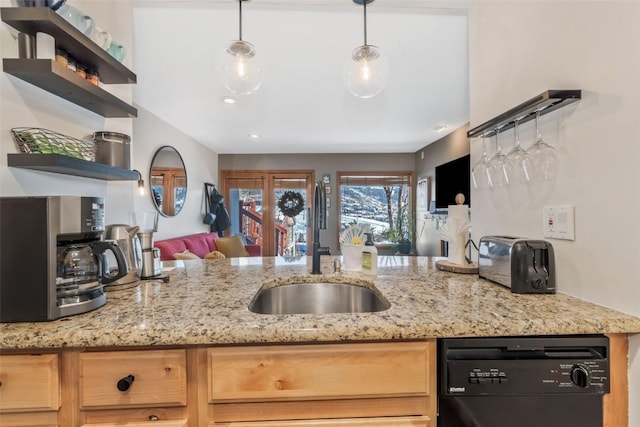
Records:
x=326, y=178
x=328, y=189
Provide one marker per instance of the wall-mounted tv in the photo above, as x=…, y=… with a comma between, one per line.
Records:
x=452, y=178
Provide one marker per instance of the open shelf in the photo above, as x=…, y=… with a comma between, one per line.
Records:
x=31, y=20
x=57, y=163
x=546, y=102
x=57, y=79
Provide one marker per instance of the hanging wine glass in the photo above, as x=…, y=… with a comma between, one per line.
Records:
x=496, y=166
x=541, y=162
x=480, y=170
x=514, y=167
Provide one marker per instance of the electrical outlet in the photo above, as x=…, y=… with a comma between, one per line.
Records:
x=558, y=222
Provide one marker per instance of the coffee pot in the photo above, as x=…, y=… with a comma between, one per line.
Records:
x=128, y=241
x=83, y=268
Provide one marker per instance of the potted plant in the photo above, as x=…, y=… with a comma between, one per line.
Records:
x=404, y=233
x=401, y=241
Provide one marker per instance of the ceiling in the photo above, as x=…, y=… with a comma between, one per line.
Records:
x=303, y=106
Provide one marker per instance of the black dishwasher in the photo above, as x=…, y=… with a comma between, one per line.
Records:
x=555, y=381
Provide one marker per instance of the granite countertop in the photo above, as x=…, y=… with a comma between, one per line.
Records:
x=205, y=303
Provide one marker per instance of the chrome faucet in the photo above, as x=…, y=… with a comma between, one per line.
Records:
x=319, y=222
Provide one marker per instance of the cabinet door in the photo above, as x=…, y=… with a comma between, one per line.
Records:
x=350, y=422
x=319, y=371
x=29, y=383
x=156, y=378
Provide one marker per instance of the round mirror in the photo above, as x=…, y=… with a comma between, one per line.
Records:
x=168, y=179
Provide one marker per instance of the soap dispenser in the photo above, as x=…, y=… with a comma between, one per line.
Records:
x=369, y=256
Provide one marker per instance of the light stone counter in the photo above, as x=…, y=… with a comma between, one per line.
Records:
x=205, y=302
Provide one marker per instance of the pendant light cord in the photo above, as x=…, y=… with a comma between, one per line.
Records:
x=364, y=3
x=240, y=18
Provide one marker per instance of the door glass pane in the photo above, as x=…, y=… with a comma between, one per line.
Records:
x=245, y=209
x=291, y=232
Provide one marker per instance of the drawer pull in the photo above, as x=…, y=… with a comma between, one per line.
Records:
x=125, y=383
x=154, y=418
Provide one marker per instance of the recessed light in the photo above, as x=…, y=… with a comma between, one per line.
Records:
x=228, y=99
x=441, y=128
x=254, y=135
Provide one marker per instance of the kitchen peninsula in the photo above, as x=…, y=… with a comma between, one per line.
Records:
x=217, y=362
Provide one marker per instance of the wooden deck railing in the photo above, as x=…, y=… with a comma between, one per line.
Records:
x=251, y=226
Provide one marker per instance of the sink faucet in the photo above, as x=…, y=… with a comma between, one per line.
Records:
x=319, y=222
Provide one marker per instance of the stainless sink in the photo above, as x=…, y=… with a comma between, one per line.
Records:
x=317, y=297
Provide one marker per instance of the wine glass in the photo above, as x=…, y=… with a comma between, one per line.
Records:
x=496, y=166
x=514, y=166
x=541, y=162
x=480, y=170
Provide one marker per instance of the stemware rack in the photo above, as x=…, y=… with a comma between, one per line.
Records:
x=546, y=102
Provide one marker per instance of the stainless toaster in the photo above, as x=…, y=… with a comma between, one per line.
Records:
x=526, y=266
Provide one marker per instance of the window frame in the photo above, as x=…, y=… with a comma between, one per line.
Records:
x=407, y=175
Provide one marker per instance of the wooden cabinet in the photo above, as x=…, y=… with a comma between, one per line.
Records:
x=350, y=422
x=390, y=384
x=152, y=423
x=133, y=379
x=322, y=382
x=29, y=390
x=133, y=388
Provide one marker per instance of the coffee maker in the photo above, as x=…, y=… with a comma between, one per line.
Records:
x=147, y=223
x=53, y=261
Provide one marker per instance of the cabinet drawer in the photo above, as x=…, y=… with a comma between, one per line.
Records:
x=174, y=423
x=29, y=383
x=318, y=372
x=347, y=422
x=159, y=378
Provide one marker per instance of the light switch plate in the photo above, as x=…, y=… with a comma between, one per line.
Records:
x=559, y=222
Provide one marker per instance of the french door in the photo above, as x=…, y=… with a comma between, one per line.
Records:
x=252, y=199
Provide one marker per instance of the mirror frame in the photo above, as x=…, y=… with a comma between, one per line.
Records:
x=151, y=174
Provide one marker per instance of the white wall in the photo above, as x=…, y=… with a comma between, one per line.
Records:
x=150, y=133
x=519, y=49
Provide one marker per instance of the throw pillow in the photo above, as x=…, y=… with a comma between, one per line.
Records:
x=231, y=247
x=214, y=255
x=185, y=255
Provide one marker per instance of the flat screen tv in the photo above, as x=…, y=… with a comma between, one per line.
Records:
x=452, y=178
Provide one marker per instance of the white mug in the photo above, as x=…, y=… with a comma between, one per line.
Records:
x=45, y=46
x=101, y=37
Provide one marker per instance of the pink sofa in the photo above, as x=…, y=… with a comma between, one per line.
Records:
x=199, y=244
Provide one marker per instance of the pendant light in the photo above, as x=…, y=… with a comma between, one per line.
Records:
x=240, y=69
x=366, y=72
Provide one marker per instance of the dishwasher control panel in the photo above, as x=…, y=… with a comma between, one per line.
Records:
x=527, y=365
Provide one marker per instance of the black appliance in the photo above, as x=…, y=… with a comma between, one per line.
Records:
x=556, y=381
x=526, y=266
x=452, y=178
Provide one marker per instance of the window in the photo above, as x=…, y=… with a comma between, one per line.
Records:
x=381, y=199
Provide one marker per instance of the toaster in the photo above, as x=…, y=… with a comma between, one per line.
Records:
x=526, y=266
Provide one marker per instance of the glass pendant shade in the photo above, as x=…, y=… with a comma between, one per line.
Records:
x=366, y=72
x=240, y=69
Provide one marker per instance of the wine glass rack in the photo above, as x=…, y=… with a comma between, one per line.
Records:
x=546, y=102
